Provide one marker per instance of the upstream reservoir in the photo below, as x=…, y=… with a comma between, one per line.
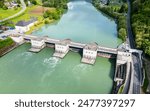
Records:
x=26, y=72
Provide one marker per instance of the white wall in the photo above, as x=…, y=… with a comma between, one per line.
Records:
x=89, y=54
x=30, y=25
x=37, y=44
x=22, y=29
x=61, y=48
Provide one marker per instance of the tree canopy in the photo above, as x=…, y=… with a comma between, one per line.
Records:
x=55, y=3
x=141, y=24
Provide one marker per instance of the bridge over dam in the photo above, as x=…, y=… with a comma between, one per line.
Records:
x=123, y=54
x=70, y=43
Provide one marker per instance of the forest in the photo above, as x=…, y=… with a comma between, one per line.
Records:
x=55, y=3
x=141, y=24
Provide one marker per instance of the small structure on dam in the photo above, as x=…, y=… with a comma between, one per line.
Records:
x=122, y=66
x=62, y=48
x=90, y=53
x=37, y=44
x=124, y=69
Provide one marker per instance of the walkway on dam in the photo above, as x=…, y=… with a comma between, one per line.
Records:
x=71, y=44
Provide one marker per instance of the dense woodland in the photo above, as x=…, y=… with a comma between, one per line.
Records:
x=141, y=24
x=55, y=3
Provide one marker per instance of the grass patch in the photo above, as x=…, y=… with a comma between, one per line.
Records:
x=8, y=12
x=5, y=43
x=39, y=2
x=121, y=89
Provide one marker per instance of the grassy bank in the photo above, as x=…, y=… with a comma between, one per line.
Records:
x=38, y=25
x=5, y=45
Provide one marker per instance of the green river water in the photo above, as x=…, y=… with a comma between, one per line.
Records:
x=26, y=72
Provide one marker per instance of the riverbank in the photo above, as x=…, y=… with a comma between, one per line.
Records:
x=53, y=16
x=38, y=25
x=117, y=13
x=6, y=46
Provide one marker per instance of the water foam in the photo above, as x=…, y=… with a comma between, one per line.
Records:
x=70, y=5
x=25, y=54
x=51, y=62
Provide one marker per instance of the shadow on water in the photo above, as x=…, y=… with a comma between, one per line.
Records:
x=112, y=71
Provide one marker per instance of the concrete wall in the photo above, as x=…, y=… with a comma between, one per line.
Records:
x=61, y=48
x=22, y=29
x=36, y=43
x=89, y=54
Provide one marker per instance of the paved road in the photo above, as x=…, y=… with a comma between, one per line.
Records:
x=136, y=60
x=23, y=9
x=137, y=71
x=130, y=37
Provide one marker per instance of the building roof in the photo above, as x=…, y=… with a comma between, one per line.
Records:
x=25, y=23
x=92, y=46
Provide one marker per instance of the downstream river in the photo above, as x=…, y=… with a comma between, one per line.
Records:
x=25, y=72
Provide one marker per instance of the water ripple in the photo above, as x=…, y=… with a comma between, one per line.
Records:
x=51, y=62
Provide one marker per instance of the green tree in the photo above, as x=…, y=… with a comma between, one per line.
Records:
x=122, y=34
x=124, y=8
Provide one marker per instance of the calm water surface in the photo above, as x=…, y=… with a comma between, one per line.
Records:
x=25, y=72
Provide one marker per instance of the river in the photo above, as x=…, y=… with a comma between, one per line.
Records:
x=26, y=72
